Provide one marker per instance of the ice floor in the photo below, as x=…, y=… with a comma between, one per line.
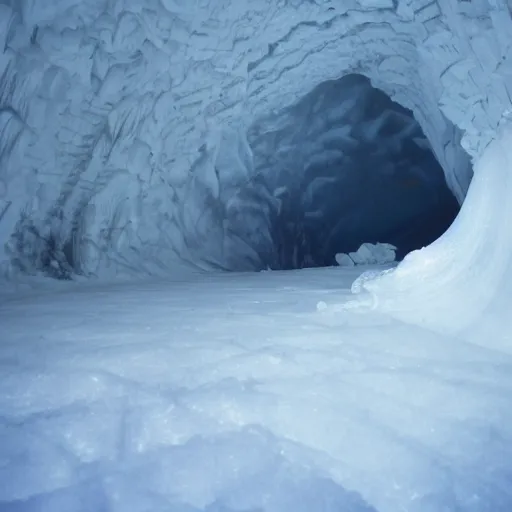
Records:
x=236, y=392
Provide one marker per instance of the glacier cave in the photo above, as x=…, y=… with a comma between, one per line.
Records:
x=177, y=182
x=343, y=166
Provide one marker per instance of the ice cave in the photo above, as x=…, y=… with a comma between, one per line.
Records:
x=185, y=190
x=343, y=166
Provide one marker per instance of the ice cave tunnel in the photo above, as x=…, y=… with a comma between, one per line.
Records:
x=157, y=158
x=268, y=171
x=343, y=166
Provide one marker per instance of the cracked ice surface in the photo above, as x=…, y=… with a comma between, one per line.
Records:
x=233, y=393
x=115, y=115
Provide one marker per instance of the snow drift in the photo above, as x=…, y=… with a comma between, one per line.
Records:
x=464, y=278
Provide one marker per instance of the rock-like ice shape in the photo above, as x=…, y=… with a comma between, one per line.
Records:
x=383, y=253
x=344, y=260
x=368, y=254
x=363, y=256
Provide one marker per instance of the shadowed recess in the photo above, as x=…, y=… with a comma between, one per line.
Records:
x=344, y=166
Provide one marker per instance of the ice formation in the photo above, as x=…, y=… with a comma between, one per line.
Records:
x=129, y=132
x=126, y=124
x=368, y=254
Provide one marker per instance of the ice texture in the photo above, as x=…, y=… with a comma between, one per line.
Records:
x=344, y=260
x=124, y=130
x=244, y=392
x=121, y=120
x=368, y=254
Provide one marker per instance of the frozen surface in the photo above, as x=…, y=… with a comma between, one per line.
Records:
x=255, y=392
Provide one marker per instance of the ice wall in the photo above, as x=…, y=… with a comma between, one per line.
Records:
x=123, y=123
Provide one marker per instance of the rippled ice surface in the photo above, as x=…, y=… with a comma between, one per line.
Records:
x=244, y=392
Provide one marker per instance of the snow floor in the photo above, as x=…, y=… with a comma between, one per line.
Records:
x=235, y=392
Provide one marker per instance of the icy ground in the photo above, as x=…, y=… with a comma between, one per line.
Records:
x=244, y=392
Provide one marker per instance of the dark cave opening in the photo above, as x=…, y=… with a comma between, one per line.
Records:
x=344, y=166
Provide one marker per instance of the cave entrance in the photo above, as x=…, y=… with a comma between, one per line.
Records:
x=344, y=166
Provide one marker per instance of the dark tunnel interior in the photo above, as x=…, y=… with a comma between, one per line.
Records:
x=343, y=166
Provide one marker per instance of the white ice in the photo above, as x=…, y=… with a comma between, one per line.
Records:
x=368, y=254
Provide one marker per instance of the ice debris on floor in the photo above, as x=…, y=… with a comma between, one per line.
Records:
x=368, y=254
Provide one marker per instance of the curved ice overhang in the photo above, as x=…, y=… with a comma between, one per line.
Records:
x=123, y=126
